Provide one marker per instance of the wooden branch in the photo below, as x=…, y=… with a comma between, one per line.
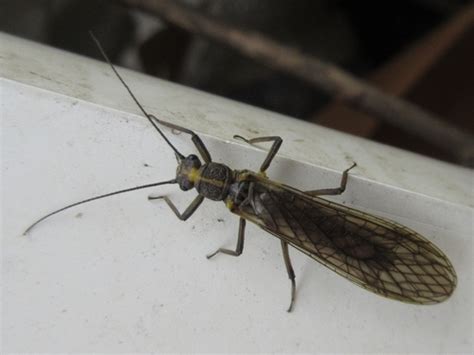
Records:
x=329, y=78
x=400, y=74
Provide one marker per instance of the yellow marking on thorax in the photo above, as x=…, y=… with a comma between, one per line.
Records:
x=194, y=177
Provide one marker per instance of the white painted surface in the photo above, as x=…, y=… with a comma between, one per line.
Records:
x=123, y=274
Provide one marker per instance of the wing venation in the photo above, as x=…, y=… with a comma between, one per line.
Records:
x=377, y=254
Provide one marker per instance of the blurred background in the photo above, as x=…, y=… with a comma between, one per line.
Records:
x=421, y=50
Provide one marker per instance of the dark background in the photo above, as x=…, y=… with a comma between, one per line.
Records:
x=363, y=37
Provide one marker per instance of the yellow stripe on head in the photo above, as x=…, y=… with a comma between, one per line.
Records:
x=193, y=175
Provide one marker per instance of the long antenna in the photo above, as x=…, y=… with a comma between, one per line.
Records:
x=173, y=181
x=102, y=51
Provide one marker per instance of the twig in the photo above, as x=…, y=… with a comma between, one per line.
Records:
x=329, y=78
x=400, y=74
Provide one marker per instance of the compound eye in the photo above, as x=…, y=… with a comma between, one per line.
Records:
x=195, y=162
x=185, y=184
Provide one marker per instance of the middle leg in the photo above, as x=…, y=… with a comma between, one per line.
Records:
x=240, y=243
x=277, y=141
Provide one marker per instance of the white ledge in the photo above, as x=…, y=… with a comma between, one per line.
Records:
x=124, y=274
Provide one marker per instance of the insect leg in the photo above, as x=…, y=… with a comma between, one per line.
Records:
x=188, y=212
x=240, y=243
x=334, y=191
x=277, y=141
x=206, y=156
x=291, y=273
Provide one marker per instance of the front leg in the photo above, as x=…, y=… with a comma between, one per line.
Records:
x=277, y=141
x=334, y=191
x=206, y=156
x=187, y=213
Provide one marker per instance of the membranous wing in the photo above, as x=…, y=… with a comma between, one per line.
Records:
x=377, y=254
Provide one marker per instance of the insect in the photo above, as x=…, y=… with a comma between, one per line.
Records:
x=379, y=255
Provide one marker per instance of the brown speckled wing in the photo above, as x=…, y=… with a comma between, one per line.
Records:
x=377, y=254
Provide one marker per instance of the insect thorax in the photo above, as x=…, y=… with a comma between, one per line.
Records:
x=238, y=192
x=214, y=181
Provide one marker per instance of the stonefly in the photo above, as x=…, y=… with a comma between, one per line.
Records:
x=379, y=255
